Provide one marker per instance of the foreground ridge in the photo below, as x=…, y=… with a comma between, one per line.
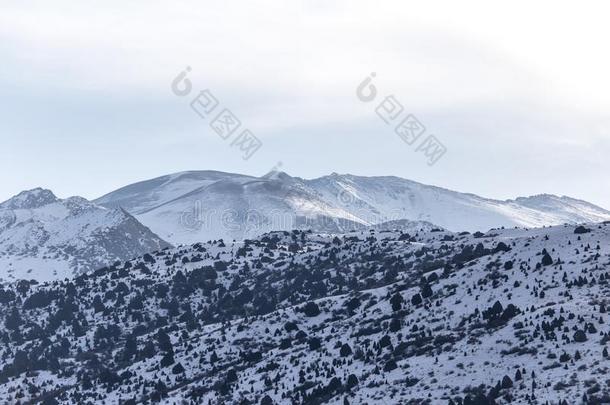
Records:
x=510, y=316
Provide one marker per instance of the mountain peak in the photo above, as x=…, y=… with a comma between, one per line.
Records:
x=277, y=175
x=30, y=199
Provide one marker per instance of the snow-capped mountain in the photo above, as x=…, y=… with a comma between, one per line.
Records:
x=369, y=198
x=190, y=207
x=369, y=317
x=43, y=237
x=195, y=206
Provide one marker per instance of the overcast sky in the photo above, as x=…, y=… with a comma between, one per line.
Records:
x=518, y=92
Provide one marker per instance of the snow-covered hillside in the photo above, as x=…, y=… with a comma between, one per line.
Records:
x=43, y=237
x=369, y=198
x=197, y=206
x=368, y=317
x=189, y=207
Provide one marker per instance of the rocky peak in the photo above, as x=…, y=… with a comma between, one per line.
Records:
x=30, y=199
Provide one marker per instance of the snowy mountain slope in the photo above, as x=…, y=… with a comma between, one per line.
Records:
x=143, y=196
x=367, y=317
x=369, y=198
x=570, y=209
x=194, y=206
x=43, y=237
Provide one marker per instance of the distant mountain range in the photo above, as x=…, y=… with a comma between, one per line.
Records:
x=195, y=206
x=43, y=237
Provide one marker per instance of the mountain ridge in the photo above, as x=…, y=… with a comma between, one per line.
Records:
x=365, y=317
x=44, y=237
x=350, y=201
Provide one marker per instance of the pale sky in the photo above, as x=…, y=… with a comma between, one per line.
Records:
x=518, y=92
